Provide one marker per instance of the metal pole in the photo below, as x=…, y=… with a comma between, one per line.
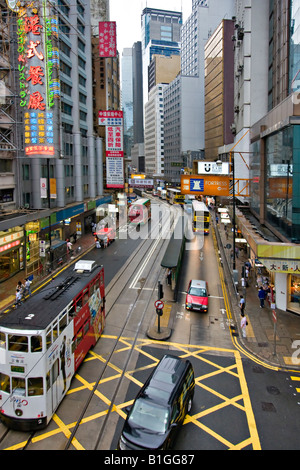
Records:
x=275, y=329
x=233, y=209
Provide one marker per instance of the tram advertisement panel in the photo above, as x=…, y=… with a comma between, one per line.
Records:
x=61, y=360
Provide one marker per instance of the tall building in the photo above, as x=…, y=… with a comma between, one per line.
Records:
x=160, y=36
x=127, y=99
x=154, y=132
x=137, y=151
x=181, y=122
x=219, y=89
x=274, y=203
x=204, y=19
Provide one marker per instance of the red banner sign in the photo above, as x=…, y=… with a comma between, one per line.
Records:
x=107, y=39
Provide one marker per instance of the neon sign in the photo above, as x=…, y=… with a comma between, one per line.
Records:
x=38, y=67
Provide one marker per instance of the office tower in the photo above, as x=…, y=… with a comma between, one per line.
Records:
x=160, y=36
x=127, y=99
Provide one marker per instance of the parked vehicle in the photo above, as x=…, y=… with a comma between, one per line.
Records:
x=105, y=236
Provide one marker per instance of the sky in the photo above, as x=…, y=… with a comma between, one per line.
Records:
x=127, y=14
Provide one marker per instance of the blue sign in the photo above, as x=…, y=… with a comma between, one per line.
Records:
x=197, y=185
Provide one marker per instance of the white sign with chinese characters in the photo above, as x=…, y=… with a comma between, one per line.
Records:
x=281, y=266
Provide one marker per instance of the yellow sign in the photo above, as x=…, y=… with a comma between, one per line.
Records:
x=138, y=177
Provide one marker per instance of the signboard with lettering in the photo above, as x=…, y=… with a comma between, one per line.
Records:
x=205, y=185
x=213, y=168
x=38, y=73
x=110, y=118
x=107, y=39
x=114, y=172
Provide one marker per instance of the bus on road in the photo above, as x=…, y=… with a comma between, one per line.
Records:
x=200, y=217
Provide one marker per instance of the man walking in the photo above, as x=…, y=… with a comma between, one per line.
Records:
x=262, y=296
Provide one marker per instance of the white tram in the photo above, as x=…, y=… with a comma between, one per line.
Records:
x=43, y=342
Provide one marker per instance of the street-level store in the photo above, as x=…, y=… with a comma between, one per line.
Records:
x=12, y=243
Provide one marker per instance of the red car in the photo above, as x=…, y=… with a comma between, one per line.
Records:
x=197, y=296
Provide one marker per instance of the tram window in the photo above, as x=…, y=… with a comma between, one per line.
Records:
x=36, y=344
x=55, y=332
x=4, y=383
x=18, y=343
x=72, y=311
x=85, y=296
x=2, y=340
x=86, y=327
x=78, y=304
x=48, y=380
x=35, y=386
x=48, y=339
x=63, y=322
x=18, y=386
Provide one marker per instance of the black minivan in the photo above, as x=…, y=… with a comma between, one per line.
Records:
x=160, y=407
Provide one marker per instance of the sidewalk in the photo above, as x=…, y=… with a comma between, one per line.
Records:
x=8, y=288
x=260, y=329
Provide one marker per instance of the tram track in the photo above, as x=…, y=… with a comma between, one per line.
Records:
x=130, y=282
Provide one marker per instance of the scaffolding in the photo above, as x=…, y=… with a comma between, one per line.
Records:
x=7, y=83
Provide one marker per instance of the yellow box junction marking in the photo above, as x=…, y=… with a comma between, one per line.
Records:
x=241, y=401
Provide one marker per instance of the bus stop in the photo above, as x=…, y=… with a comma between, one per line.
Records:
x=174, y=254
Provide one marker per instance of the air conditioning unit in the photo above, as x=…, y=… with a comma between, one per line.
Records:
x=233, y=128
x=236, y=109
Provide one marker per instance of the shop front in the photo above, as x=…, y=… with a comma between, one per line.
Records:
x=12, y=247
x=294, y=293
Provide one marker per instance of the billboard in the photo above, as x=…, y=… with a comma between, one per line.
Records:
x=38, y=74
x=107, y=39
x=114, y=157
x=213, y=168
x=205, y=185
x=110, y=118
x=114, y=141
x=114, y=172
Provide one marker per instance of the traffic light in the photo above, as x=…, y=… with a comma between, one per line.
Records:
x=160, y=291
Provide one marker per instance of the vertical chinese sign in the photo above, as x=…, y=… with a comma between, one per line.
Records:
x=38, y=68
x=113, y=122
x=107, y=39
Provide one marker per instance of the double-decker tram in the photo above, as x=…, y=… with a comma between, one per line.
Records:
x=140, y=212
x=174, y=196
x=200, y=217
x=43, y=342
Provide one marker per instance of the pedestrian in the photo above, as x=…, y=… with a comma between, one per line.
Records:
x=169, y=276
x=18, y=297
x=27, y=289
x=20, y=288
x=69, y=246
x=97, y=244
x=244, y=323
x=242, y=304
x=262, y=296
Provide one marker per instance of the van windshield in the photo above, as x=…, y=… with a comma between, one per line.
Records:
x=149, y=416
